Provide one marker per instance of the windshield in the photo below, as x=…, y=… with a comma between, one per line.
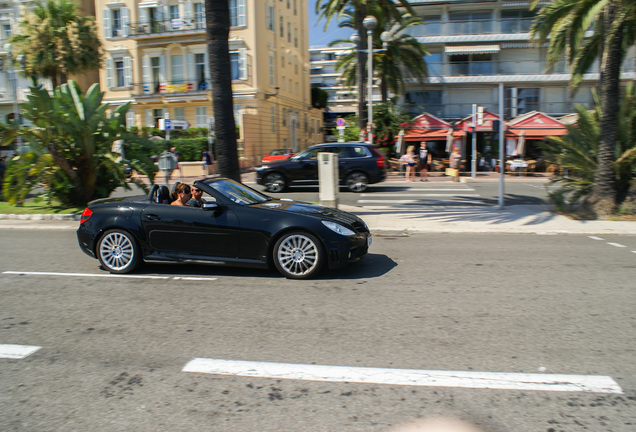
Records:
x=237, y=192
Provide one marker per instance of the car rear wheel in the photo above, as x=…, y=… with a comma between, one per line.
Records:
x=117, y=251
x=298, y=255
x=357, y=182
x=275, y=182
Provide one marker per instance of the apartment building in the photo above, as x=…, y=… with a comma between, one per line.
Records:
x=474, y=46
x=156, y=58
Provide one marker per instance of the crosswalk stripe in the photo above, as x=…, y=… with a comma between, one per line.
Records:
x=410, y=377
x=17, y=352
x=421, y=201
x=421, y=195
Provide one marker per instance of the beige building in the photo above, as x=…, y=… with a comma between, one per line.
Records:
x=156, y=58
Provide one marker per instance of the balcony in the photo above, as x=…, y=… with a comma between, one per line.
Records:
x=167, y=88
x=473, y=27
x=494, y=67
x=168, y=27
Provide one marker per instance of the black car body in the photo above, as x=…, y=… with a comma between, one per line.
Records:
x=359, y=164
x=236, y=226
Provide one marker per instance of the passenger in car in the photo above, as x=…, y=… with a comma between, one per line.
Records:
x=181, y=195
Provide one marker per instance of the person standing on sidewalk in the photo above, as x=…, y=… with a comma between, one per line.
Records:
x=454, y=161
x=425, y=161
x=409, y=159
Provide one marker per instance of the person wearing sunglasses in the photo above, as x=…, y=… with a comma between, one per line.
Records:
x=182, y=194
x=196, y=200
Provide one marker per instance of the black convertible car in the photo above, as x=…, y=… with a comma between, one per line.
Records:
x=236, y=225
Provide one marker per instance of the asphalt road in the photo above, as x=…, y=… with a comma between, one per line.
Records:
x=423, y=194
x=113, y=350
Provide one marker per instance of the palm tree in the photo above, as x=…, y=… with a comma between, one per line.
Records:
x=217, y=15
x=563, y=23
x=330, y=9
x=400, y=54
x=56, y=41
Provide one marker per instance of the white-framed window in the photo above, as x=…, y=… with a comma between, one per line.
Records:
x=130, y=119
x=284, y=119
x=270, y=16
x=296, y=37
x=176, y=69
x=199, y=15
x=238, y=14
x=281, y=24
x=119, y=71
x=272, y=70
x=289, y=32
x=273, y=118
x=116, y=22
x=200, y=68
x=238, y=61
x=201, y=116
x=178, y=113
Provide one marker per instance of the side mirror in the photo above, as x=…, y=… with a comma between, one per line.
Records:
x=212, y=206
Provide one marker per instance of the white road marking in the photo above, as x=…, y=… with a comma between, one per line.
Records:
x=106, y=275
x=595, y=238
x=411, y=377
x=616, y=244
x=419, y=190
x=420, y=195
x=17, y=352
x=420, y=201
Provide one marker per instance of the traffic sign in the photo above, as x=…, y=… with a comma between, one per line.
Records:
x=341, y=122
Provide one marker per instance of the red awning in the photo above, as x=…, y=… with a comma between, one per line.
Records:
x=537, y=134
x=431, y=134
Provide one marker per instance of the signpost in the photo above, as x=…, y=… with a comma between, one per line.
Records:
x=341, y=125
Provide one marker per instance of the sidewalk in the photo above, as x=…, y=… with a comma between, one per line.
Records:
x=440, y=219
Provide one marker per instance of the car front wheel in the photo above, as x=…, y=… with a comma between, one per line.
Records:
x=357, y=182
x=117, y=251
x=275, y=182
x=298, y=255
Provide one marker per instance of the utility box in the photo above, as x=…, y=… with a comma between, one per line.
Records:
x=328, y=179
x=167, y=164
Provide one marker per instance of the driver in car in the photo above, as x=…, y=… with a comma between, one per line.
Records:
x=196, y=200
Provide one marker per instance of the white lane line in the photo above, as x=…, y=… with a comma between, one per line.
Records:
x=419, y=195
x=421, y=190
x=595, y=238
x=17, y=352
x=106, y=275
x=616, y=244
x=421, y=201
x=411, y=377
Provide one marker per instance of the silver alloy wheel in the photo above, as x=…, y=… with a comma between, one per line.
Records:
x=275, y=182
x=298, y=255
x=357, y=182
x=117, y=252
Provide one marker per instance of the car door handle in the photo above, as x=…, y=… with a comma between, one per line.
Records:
x=153, y=217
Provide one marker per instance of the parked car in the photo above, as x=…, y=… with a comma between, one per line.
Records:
x=278, y=154
x=359, y=164
x=236, y=226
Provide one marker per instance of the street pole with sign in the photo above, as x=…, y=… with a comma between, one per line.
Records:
x=341, y=125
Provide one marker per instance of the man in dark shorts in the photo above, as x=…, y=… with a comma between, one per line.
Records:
x=425, y=161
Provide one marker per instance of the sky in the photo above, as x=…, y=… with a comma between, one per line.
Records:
x=317, y=35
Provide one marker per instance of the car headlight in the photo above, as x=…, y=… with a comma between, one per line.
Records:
x=337, y=228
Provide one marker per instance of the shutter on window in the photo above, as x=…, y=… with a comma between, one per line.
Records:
x=190, y=77
x=128, y=79
x=149, y=119
x=107, y=31
x=109, y=72
x=242, y=17
x=125, y=18
x=145, y=72
x=242, y=63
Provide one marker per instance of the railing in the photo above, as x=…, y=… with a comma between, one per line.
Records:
x=171, y=87
x=461, y=110
x=455, y=28
x=176, y=25
x=495, y=67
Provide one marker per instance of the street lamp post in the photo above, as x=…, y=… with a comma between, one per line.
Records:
x=14, y=94
x=370, y=23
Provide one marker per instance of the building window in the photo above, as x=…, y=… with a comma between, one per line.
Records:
x=516, y=21
x=201, y=116
x=281, y=22
x=238, y=16
x=434, y=64
x=176, y=69
x=119, y=72
x=116, y=22
x=199, y=15
x=270, y=17
x=471, y=64
x=471, y=22
x=130, y=119
x=199, y=71
x=238, y=61
x=289, y=32
x=521, y=100
x=6, y=31
x=418, y=102
x=273, y=118
x=155, y=68
x=295, y=7
x=432, y=25
x=272, y=70
x=296, y=37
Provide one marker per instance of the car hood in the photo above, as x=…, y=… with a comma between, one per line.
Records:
x=309, y=209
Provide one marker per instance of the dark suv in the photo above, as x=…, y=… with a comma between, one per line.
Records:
x=359, y=164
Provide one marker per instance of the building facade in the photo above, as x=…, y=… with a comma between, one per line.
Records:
x=156, y=58
x=474, y=46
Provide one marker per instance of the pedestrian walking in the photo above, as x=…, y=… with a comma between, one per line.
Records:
x=426, y=159
x=409, y=159
x=208, y=162
x=454, y=161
